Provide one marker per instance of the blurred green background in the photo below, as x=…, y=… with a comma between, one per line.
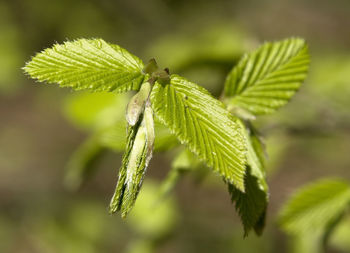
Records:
x=201, y=40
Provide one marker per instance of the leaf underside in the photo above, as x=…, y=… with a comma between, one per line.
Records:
x=267, y=78
x=91, y=64
x=204, y=125
x=256, y=156
x=251, y=205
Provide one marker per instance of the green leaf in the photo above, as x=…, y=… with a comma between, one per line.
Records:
x=314, y=207
x=251, y=205
x=204, y=125
x=267, y=78
x=87, y=64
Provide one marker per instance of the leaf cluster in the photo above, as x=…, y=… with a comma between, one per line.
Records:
x=220, y=133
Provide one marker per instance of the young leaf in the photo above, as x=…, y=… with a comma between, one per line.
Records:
x=315, y=206
x=251, y=205
x=134, y=165
x=266, y=79
x=204, y=125
x=117, y=199
x=88, y=64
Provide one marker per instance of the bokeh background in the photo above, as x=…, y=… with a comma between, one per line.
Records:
x=201, y=40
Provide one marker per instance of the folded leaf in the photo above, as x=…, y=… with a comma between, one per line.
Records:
x=134, y=165
x=204, y=125
x=88, y=64
x=266, y=79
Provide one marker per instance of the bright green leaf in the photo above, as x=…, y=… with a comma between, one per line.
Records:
x=204, y=125
x=314, y=207
x=267, y=78
x=87, y=64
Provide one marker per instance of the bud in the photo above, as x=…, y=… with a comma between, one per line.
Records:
x=150, y=67
x=137, y=102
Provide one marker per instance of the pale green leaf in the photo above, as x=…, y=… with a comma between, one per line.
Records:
x=314, y=207
x=267, y=78
x=87, y=64
x=204, y=125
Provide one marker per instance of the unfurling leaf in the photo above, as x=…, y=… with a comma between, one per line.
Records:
x=138, y=153
x=204, y=125
x=88, y=64
x=266, y=79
